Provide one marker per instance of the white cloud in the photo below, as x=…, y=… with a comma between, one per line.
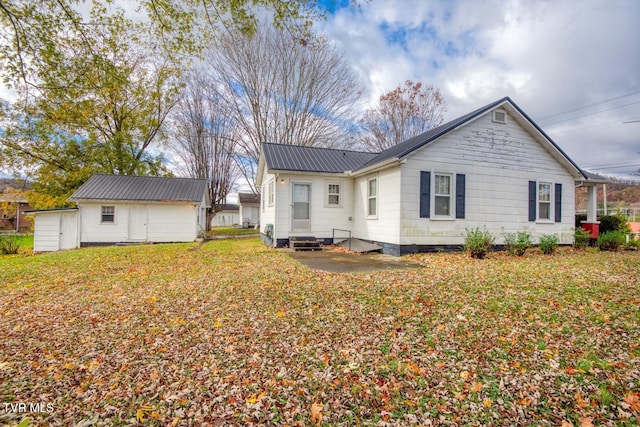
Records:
x=548, y=56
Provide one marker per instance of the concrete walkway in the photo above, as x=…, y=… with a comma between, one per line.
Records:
x=341, y=262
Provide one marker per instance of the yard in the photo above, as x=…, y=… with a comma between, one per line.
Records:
x=231, y=332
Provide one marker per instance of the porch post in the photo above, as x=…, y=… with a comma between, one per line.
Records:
x=592, y=204
x=592, y=225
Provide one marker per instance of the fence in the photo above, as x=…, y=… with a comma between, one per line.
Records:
x=632, y=214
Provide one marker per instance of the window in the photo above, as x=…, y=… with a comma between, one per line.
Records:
x=107, y=214
x=445, y=198
x=271, y=192
x=499, y=116
x=372, y=196
x=333, y=195
x=442, y=195
x=544, y=201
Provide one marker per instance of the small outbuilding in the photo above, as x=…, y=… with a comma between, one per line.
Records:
x=126, y=209
x=227, y=216
x=55, y=230
x=249, y=209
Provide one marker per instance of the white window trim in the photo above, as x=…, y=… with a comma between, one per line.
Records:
x=327, y=203
x=369, y=197
x=101, y=214
x=551, y=202
x=452, y=190
x=263, y=201
x=271, y=192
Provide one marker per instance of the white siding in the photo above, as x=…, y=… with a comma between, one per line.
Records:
x=172, y=223
x=48, y=232
x=225, y=218
x=164, y=223
x=268, y=213
x=498, y=162
x=324, y=218
x=384, y=228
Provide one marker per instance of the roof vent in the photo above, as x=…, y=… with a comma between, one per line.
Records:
x=499, y=116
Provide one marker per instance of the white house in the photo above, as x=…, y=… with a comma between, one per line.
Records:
x=493, y=168
x=249, y=208
x=125, y=209
x=226, y=217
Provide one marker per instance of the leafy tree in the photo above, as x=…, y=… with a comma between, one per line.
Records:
x=401, y=114
x=283, y=91
x=201, y=139
x=94, y=86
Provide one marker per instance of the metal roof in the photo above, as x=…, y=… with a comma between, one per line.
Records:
x=248, y=199
x=140, y=188
x=313, y=159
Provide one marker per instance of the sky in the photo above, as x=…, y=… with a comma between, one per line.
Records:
x=572, y=65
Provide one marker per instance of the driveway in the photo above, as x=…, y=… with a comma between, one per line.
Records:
x=341, y=262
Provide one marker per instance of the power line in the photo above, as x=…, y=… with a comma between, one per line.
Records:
x=592, y=114
x=590, y=105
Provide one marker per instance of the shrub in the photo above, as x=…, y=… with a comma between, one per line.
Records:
x=548, y=243
x=632, y=244
x=9, y=243
x=478, y=242
x=517, y=243
x=613, y=223
x=611, y=240
x=582, y=238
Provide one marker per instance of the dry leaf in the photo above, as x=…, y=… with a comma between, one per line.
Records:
x=316, y=413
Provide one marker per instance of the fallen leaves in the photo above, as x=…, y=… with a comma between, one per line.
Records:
x=235, y=333
x=316, y=413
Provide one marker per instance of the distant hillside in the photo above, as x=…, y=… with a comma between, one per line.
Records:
x=619, y=194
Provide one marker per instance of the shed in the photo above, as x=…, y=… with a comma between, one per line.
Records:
x=55, y=229
x=124, y=208
x=249, y=208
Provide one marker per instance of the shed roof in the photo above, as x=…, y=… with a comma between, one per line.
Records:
x=248, y=199
x=140, y=188
x=313, y=159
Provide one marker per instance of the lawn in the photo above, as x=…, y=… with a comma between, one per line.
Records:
x=230, y=332
x=231, y=231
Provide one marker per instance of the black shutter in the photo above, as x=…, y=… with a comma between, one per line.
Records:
x=425, y=194
x=532, y=200
x=460, y=190
x=558, y=201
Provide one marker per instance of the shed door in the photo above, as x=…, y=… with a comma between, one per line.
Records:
x=68, y=230
x=301, y=207
x=137, y=222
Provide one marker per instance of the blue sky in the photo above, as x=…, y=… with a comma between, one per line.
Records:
x=573, y=66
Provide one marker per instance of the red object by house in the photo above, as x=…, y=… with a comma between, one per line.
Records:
x=593, y=228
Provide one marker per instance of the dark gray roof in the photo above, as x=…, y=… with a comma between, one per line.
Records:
x=307, y=159
x=229, y=207
x=140, y=188
x=407, y=147
x=313, y=159
x=248, y=199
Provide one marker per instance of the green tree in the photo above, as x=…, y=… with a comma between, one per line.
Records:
x=94, y=86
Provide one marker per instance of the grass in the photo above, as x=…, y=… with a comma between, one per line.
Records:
x=231, y=332
x=231, y=231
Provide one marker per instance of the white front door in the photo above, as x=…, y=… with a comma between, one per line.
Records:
x=138, y=222
x=301, y=215
x=68, y=230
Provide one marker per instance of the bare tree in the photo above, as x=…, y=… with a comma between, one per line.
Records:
x=401, y=114
x=202, y=139
x=284, y=90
